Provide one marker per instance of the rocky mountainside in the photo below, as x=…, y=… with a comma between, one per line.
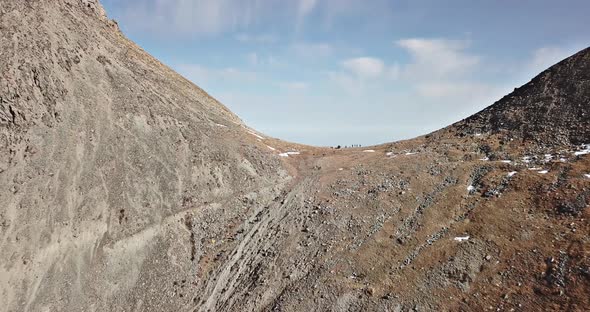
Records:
x=551, y=109
x=128, y=188
x=108, y=161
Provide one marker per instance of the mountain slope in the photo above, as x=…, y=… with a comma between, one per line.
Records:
x=107, y=156
x=551, y=109
x=131, y=189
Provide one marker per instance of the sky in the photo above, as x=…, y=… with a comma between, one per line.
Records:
x=342, y=72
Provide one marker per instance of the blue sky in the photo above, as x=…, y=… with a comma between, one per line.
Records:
x=328, y=72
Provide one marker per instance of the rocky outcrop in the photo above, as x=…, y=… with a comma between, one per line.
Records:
x=553, y=108
x=110, y=162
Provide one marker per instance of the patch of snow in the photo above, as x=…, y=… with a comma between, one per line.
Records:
x=543, y=171
x=411, y=153
x=461, y=238
x=255, y=134
x=484, y=159
x=587, y=175
x=271, y=148
x=526, y=159
x=286, y=154
x=548, y=158
x=511, y=174
x=585, y=150
x=220, y=125
x=478, y=134
x=563, y=159
x=369, y=151
x=506, y=161
x=470, y=188
x=389, y=154
x=340, y=169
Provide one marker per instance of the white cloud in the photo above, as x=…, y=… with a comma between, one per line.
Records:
x=393, y=71
x=437, y=58
x=210, y=17
x=454, y=89
x=252, y=58
x=335, y=13
x=305, y=7
x=294, y=86
x=365, y=67
x=194, y=72
x=312, y=50
x=444, y=69
x=347, y=82
x=258, y=38
x=440, y=73
x=361, y=74
x=180, y=17
x=235, y=73
x=201, y=75
x=260, y=60
x=545, y=57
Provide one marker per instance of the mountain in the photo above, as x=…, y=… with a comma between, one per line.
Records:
x=550, y=109
x=109, y=161
x=128, y=188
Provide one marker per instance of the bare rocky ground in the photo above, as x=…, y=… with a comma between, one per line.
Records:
x=127, y=188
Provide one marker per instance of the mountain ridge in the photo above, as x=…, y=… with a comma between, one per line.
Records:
x=555, y=105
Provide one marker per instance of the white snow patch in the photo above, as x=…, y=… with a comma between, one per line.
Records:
x=484, y=159
x=478, y=134
x=543, y=171
x=461, y=238
x=506, y=161
x=220, y=125
x=286, y=154
x=470, y=188
x=271, y=148
x=585, y=150
x=340, y=169
x=411, y=153
x=587, y=175
x=548, y=158
x=369, y=151
x=511, y=174
x=535, y=169
x=563, y=159
x=389, y=154
x=255, y=134
x=526, y=159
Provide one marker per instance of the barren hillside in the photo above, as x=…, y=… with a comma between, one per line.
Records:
x=552, y=109
x=127, y=188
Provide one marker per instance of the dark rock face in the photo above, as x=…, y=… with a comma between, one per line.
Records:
x=553, y=108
